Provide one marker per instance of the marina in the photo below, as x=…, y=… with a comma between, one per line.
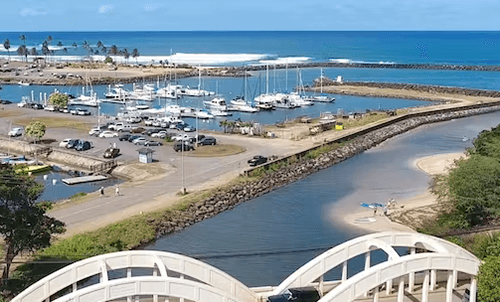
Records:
x=83, y=179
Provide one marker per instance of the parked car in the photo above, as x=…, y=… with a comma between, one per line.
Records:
x=181, y=137
x=188, y=128
x=159, y=133
x=5, y=102
x=16, y=132
x=306, y=294
x=183, y=146
x=74, y=111
x=257, y=160
x=111, y=153
x=108, y=134
x=123, y=128
x=114, y=126
x=83, y=145
x=133, y=137
x=139, y=141
x=152, y=143
x=124, y=137
x=150, y=132
x=134, y=119
x=72, y=143
x=64, y=142
x=208, y=140
x=37, y=106
x=137, y=130
x=95, y=131
x=83, y=112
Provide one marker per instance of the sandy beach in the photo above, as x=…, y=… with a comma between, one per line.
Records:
x=364, y=218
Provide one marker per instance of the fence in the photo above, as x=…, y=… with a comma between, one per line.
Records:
x=105, y=166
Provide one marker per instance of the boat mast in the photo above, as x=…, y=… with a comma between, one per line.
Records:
x=286, y=75
x=321, y=81
x=267, y=79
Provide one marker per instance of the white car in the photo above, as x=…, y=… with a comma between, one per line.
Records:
x=159, y=134
x=108, y=134
x=83, y=112
x=139, y=141
x=16, y=132
x=94, y=131
x=181, y=137
x=65, y=142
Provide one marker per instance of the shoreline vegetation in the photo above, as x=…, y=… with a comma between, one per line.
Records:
x=100, y=73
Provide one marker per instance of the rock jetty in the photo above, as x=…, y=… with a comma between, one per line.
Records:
x=228, y=198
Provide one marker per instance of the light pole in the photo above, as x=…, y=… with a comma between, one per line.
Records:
x=183, y=189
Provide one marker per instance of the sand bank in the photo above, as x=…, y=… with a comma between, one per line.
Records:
x=364, y=218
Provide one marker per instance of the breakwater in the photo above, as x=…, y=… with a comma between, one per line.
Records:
x=412, y=87
x=300, y=165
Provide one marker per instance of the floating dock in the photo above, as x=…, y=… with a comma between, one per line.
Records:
x=78, y=180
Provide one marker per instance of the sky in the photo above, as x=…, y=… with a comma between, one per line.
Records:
x=191, y=15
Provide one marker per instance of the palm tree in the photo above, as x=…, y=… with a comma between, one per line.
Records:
x=113, y=50
x=45, y=49
x=126, y=55
x=23, y=38
x=99, y=44
x=49, y=39
x=33, y=52
x=21, y=50
x=59, y=44
x=75, y=45
x=135, y=55
x=6, y=45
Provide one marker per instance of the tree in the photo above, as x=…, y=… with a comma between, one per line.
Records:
x=6, y=45
x=59, y=99
x=33, y=51
x=488, y=289
x=23, y=223
x=21, y=50
x=135, y=54
x=49, y=39
x=113, y=50
x=126, y=55
x=25, y=53
x=35, y=129
x=23, y=38
x=75, y=45
x=99, y=44
x=59, y=44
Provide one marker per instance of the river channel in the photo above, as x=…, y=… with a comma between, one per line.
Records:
x=264, y=240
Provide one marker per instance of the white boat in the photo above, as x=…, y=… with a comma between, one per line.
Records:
x=239, y=104
x=146, y=93
x=298, y=100
x=168, y=92
x=284, y=103
x=117, y=92
x=322, y=97
x=265, y=106
x=216, y=103
x=220, y=113
x=21, y=83
x=84, y=100
x=173, y=110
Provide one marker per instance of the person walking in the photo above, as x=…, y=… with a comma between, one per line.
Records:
x=101, y=191
x=117, y=191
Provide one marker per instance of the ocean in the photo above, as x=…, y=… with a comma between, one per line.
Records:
x=267, y=47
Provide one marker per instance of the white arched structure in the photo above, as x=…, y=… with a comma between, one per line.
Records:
x=439, y=255
x=189, y=279
x=164, y=265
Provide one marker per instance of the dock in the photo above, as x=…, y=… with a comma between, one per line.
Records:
x=78, y=180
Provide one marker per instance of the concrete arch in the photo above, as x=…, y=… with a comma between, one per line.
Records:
x=386, y=241
x=164, y=262
x=163, y=286
x=384, y=272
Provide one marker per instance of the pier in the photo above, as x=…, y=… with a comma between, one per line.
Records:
x=83, y=179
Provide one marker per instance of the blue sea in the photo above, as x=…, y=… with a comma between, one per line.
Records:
x=250, y=47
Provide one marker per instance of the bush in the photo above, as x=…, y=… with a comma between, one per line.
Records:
x=488, y=280
x=108, y=60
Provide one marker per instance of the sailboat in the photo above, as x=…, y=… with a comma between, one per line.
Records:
x=239, y=103
x=322, y=97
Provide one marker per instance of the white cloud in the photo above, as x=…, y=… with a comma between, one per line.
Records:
x=32, y=12
x=104, y=9
x=149, y=7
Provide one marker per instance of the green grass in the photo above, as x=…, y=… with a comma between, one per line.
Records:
x=78, y=196
x=59, y=122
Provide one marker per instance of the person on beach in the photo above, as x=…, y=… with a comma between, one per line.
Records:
x=101, y=191
x=117, y=191
x=374, y=211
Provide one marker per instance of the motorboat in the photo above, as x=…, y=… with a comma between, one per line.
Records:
x=216, y=103
x=220, y=113
x=117, y=92
x=298, y=100
x=321, y=98
x=239, y=104
x=264, y=106
x=146, y=93
x=168, y=92
x=21, y=83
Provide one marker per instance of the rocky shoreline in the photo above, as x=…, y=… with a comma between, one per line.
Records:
x=227, y=199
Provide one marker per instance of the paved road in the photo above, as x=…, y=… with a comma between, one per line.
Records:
x=199, y=173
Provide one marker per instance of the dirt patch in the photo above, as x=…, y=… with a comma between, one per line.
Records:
x=216, y=151
x=141, y=171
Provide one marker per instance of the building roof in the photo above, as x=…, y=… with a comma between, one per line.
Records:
x=145, y=150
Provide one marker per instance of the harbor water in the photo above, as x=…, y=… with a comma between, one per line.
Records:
x=264, y=240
